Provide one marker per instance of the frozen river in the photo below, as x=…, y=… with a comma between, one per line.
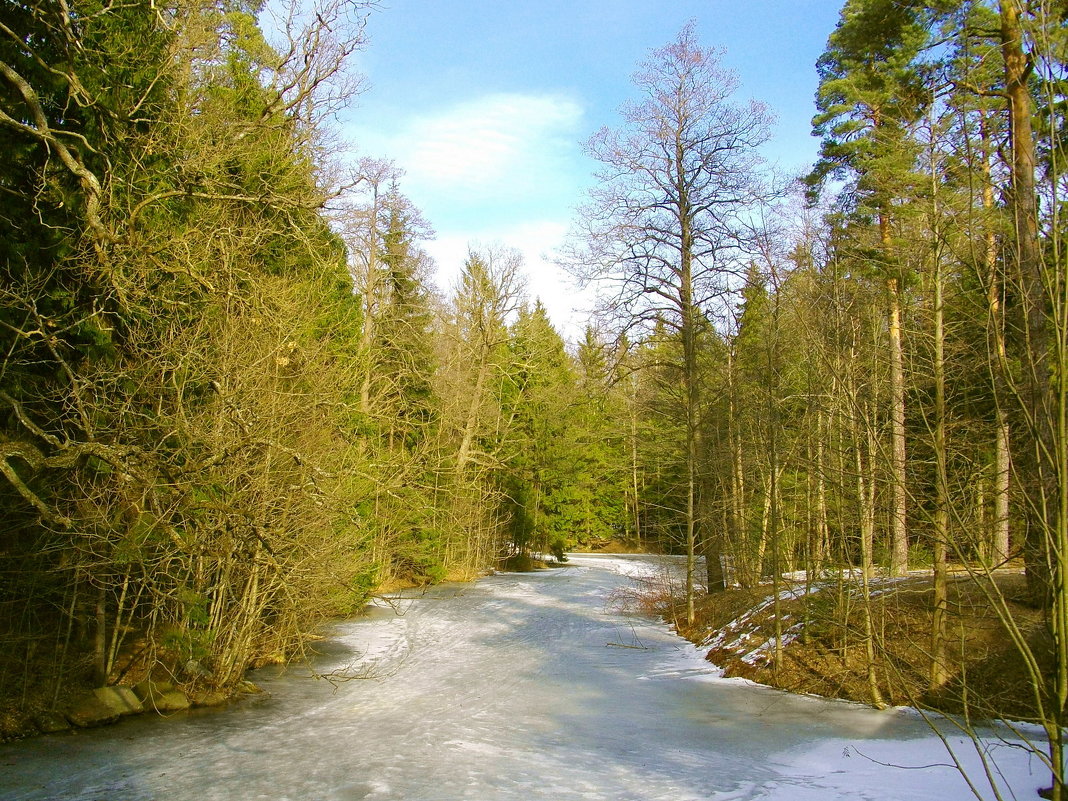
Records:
x=519, y=686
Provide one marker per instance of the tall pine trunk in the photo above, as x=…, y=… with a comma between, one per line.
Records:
x=939, y=672
x=1041, y=464
x=998, y=551
x=899, y=543
x=1032, y=334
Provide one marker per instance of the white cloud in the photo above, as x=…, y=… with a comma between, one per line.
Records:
x=492, y=153
x=496, y=144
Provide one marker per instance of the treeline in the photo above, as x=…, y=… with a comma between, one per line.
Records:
x=865, y=370
x=875, y=352
x=230, y=403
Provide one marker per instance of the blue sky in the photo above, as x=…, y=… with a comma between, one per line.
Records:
x=486, y=103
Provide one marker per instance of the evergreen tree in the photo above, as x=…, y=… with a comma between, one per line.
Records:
x=602, y=477
x=404, y=362
x=541, y=465
x=870, y=94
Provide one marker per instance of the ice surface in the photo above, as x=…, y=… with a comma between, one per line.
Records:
x=520, y=686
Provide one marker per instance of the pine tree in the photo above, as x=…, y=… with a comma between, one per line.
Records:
x=870, y=93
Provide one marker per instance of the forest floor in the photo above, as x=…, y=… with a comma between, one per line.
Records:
x=823, y=643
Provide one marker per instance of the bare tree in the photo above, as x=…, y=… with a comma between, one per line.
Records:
x=361, y=225
x=662, y=226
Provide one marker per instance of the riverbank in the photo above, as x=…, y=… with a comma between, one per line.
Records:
x=823, y=639
x=146, y=678
x=43, y=707
x=518, y=687
x=823, y=650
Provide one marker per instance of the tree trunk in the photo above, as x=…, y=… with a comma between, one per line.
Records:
x=464, y=452
x=1033, y=312
x=998, y=551
x=899, y=543
x=634, y=469
x=715, y=575
x=370, y=289
x=939, y=672
x=866, y=495
x=689, y=367
x=822, y=532
x=999, y=540
x=738, y=522
x=690, y=357
x=100, y=674
x=773, y=476
x=1041, y=463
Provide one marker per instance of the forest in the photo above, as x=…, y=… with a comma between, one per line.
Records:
x=233, y=404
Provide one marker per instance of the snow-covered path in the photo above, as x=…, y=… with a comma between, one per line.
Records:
x=519, y=686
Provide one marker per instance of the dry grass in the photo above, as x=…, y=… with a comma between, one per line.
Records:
x=824, y=654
